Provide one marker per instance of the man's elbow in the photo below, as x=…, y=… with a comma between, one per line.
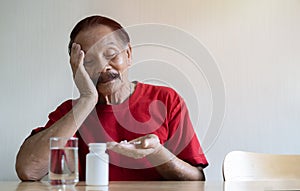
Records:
x=201, y=175
x=27, y=173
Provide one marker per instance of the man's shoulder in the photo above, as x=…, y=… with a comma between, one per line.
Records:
x=158, y=92
x=157, y=88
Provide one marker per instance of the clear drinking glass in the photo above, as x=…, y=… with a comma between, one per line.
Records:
x=63, y=164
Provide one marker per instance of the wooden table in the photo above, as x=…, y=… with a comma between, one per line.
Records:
x=159, y=185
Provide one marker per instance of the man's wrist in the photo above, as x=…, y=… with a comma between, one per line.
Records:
x=161, y=156
x=91, y=98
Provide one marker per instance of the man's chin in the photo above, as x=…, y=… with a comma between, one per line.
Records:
x=106, y=83
x=107, y=87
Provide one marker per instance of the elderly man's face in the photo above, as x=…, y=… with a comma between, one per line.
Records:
x=106, y=59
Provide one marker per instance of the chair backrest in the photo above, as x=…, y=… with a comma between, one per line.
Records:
x=241, y=165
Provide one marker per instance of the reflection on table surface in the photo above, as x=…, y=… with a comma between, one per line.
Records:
x=158, y=185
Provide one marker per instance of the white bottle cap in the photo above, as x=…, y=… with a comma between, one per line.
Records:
x=97, y=147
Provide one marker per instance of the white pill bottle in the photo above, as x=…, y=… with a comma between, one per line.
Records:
x=97, y=161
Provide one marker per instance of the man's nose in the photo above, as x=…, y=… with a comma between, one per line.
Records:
x=107, y=68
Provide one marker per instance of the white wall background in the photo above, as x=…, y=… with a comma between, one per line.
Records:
x=256, y=44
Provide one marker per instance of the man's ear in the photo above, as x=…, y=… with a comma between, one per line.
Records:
x=129, y=53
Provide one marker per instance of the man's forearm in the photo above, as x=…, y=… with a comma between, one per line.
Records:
x=176, y=169
x=33, y=156
x=173, y=168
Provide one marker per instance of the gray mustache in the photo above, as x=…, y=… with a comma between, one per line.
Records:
x=108, y=76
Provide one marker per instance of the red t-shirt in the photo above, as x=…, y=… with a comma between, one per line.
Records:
x=149, y=110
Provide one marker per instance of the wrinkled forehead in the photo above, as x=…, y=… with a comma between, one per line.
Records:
x=97, y=38
x=111, y=40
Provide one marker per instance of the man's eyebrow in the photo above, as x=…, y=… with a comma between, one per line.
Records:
x=110, y=43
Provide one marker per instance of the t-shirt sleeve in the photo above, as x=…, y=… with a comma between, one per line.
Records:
x=182, y=139
x=54, y=116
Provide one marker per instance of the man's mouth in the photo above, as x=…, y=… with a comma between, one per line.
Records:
x=107, y=77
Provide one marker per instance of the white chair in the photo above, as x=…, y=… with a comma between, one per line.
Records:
x=241, y=165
